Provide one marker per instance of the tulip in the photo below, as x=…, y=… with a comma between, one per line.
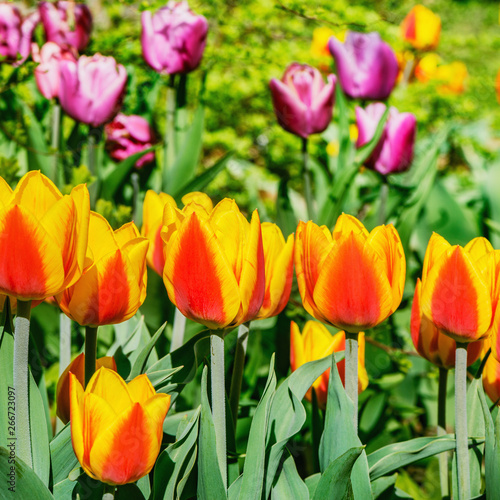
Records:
x=66, y=23
x=15, y=34
x=127, y=135
x=47, y=73
x=303, y=103
x=451, y=77
x=173, y=38
x=394, y=151
x=152, y=220
x=92, y=88
x=421, y=28
x=315, y=343
x=113, y=285
x=319, y=44
x=491, y=379
x=116, y=428
x=77, y=368
x=367, y=66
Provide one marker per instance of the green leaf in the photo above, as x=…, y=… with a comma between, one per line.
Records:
x=382, y=484
x=289, y=484
x=285, y=217
x=312, y=483
x=372, y=412
x=140, y=363
x=62, y=456
x=475, y=427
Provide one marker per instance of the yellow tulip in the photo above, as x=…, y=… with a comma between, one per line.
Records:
x=422, y=28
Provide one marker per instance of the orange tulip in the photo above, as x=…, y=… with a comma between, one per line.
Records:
x=77, y=368
x=351, y=279
x=432, y=344
x=154, y=205
x=116, y=428
x=457, y=288
x=214, y=264
x=316, y=342
x=278, y=258
x=491, y=379
x=44, y=237
x=421, y=28
x=451, y=76
x=113, y=286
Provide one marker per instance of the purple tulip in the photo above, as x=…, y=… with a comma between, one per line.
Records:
x=66, y=23
x=15, y=34
x=303, y=103
x=92, y=88
x=173, y=38
x=366, y=65
x=394, y=152
x=127, y=135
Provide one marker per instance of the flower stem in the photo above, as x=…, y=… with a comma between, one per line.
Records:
x=384, y=193
x=307, y=180
x=64, y=350
x=461, y=422
x=239, y=366
x=219, y=400
x=21, y=381
x=90, y=352
x=178, y=330
x=56, y=133
x=169, y=152
x=441, y=431
x=109, y=492
x=351, y=372
x=92, y=165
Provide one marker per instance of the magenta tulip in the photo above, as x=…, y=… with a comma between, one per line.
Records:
x=15, y=34
x=303, y=103
x=173, y=38
x=127, y=135
x=367, y=66
x=66, y=23
x=394, y=152
x=92, y=88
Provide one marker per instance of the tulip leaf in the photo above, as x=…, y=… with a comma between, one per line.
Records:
x=25, y=482
x=382, y=484
x=210, y=485
x=289, y=484
x=140, y=363
x=62, y=456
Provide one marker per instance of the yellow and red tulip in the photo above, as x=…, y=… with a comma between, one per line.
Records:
x=44, y=237
x=421, y=28
x=350, y=278
x=116, y=428
x=77, y=368
x=278, y=258
x=113, y=285
x=214, y=264
x=315, y=343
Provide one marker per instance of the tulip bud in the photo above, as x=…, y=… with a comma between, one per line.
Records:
x=92, y=88
x=303, y=103
x=367, y=66
x=394, y=151
x=127, y=135
x=173, y=38
x=421, y=27
x=66, y=23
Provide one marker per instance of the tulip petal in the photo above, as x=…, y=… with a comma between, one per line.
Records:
x=36, y=192
x=297, y=354
x=5, y=192
x=435, y=248
x=76, y=396
x=77, y=368
x=348, y=224
x=108, y=385
x=126, y=233
x=157, y=408
x=140, y=389
x=478, y=248
x=200, y=199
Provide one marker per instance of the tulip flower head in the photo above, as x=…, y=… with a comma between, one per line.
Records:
x=451, y=77
x=113, y=285
x=214, y=264
x=421, y=28
x=92, y=88
x=303, y=103
x=44, y=237
x=173, y=38
x=394, y=152
x=127, y=135
x=77, y=368
x=315, y=343
x=116, y=428
x=367, y=66
x=350, y=278
x=66, y=23
x=491, y=379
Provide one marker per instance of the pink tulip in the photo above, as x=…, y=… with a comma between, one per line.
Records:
x=127, y=135
x=15, y=34
x=47, y=73
x=303, y=103
x=66, y=23
x=92, y=88
x=173, y=38
x=394, y=152
x=367, y=66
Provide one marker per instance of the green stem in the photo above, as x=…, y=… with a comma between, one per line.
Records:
x=56, y=133
x=219, y=400
x=134, y=180
x=480, y=370
x=169, y=152
x=109, y=492
x=21, y=381
x=178, y=330
x=461, y=435
x=90, y=352
x=238, y=368
x=351, y=372
x=64, y=350
x=317, y=430
x=441, y=430
x=384, y=192
x=92, y=165
x=307, y=180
